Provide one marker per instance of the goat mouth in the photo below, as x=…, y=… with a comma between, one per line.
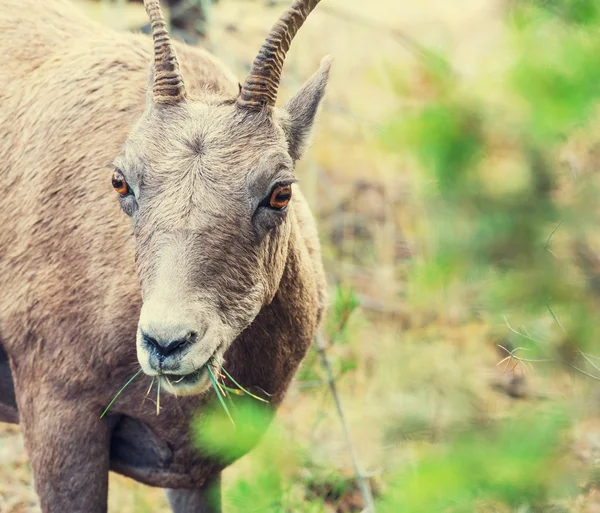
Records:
x=193, y=382
x=186, y=379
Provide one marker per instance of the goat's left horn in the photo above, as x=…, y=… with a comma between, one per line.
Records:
x=167, y=83
x=260, y=88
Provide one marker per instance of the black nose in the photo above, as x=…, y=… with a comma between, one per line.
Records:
x=168, y=347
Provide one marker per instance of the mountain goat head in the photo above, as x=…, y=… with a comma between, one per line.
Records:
x=207, y=181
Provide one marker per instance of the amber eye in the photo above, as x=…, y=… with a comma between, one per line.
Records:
x=119, y=183
x=280, y=197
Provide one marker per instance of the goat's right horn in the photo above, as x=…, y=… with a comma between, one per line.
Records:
x=167, y=83
x=260, y=88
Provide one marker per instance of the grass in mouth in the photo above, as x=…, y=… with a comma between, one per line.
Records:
x=220, y=393
x=240, y=389
x=158, y=398
x=149, y=388
x=220, y=389
x=120, y=391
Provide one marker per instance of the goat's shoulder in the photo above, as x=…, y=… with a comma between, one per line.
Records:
x=41, y=38
x=30, y=31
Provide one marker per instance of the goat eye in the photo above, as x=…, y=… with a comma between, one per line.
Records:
x=119, y=183
x=280, y=197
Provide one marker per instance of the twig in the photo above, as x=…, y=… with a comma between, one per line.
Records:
x=363, y=482
x=582, y=371
x=518, y=360
x=579, y=350
x=587, y=358
x=511, y=354
x=528, y=360
x=593, y=357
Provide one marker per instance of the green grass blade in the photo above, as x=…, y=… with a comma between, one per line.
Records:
x=119, y=392
x=555, y=318
x=222, y=388
x=235, y=391
x=158, y=398
x=218, y=392
x=242, y=388
x=150, y=387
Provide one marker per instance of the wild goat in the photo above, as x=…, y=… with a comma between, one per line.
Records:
x=228, y=263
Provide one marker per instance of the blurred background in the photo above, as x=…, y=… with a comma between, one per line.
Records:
x=454, y=177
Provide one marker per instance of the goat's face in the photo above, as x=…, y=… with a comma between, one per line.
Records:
x=208, y=185
x=209, y=192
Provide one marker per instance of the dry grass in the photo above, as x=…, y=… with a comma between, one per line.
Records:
x=432, y=378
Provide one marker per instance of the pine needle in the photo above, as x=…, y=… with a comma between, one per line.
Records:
x=218, y=392
x=119, y=392
x=235, y=391
x=504, y=359
x=507, y=364
x=222, y=388
x=158, y=399
x=555, y=318
x=242, y=388
x=150, y=387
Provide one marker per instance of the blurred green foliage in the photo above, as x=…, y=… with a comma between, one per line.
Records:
x=264, y=489
x=278, y=464
x=343, y=306
x=489, y=227
x=496, y=198
x=514, y=463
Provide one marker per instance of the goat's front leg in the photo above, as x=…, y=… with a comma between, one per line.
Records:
x=202, y=500
x=68, y=447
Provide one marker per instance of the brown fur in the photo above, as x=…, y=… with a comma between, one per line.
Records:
x=71, y=92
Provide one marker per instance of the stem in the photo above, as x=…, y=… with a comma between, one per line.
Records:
x=587, y=357
x=363, y=482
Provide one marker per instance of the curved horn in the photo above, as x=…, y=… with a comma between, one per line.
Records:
x=167, y=83
x=260, y=88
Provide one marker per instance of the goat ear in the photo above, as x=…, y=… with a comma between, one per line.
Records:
x=302, y=109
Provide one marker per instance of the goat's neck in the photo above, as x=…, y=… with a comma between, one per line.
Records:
x=269, y=352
